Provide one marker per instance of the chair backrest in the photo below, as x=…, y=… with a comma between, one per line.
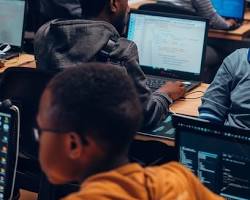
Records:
x=166, y=8
x=24, y=86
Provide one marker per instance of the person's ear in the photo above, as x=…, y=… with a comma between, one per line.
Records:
x=114, y=5
x=74, y=145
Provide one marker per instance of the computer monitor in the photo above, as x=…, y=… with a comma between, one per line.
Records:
x=8, y=151
x=169, y=42
x=218, y=155
x=12, y=22
x=233, y=9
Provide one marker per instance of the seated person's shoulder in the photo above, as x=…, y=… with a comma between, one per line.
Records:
x=237, y=62
x=126, y=48
x=178, y=182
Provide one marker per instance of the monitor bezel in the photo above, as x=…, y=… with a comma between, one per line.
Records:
x=174, y=74
x=12, y=150
x=193, y=121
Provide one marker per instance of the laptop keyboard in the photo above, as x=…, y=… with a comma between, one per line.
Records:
x=154, y=82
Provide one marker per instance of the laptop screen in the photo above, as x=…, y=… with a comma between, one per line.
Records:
x=230, y=8
x=12, y=21
x=168, y=42
x=220, y=157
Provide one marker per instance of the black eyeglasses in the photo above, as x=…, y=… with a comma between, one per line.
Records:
x=37, y=132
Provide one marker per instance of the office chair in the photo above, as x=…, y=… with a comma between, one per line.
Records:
x=165, y=7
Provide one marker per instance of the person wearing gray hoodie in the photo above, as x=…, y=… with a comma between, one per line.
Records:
x=97, y=37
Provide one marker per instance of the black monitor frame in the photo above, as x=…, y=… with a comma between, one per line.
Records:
x=12, y=151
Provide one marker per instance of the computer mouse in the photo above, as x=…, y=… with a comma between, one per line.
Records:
x=186, y=82
x=4, y=48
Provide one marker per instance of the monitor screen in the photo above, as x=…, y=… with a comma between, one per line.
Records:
x=11, y=21
x=220, y=159
x=230, y=8
x=168, y=43
x=5, y=131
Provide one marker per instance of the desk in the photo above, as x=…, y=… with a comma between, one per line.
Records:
x=239, y=34
x=247, y=15
x=136, y=4
x=186, y=107
x=24, y=60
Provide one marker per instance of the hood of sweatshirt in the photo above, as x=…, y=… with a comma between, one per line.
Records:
x=62, y=44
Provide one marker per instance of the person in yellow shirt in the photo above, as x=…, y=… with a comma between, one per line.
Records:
x=88, y=116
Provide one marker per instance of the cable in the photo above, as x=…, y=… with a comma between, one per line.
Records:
x=15, y=108
x=191, y=98
x=171, y=110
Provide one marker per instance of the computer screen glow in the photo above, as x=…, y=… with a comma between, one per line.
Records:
x=11, y=21
x=168, y=43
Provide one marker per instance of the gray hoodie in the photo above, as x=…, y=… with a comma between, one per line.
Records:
x=62, y=44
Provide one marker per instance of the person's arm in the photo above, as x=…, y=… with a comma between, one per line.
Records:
x=216, y=100
x=205, y=9
x=156, y=104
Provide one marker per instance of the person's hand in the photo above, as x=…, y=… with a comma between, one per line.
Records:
x=231, y=22
x=174, y=90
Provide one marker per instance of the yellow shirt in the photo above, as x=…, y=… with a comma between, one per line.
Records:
x=167, y=182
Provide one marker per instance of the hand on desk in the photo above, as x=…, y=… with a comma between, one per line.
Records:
x=174, y=90
x=231, y=23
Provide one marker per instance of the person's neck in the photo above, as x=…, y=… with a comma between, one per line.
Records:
x=102, y=17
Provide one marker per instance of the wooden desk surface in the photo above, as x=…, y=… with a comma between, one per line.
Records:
x=137, y=3
x=247, y=15
x=186, y=107
x=190, y=106
x=239, y=34
x=24, y=60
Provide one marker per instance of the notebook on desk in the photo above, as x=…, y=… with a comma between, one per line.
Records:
x=171, y=47
x=231, y=9
x=12, y=15
x=218, y=155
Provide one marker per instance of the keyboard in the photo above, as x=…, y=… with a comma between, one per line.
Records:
x=8, y=55
x=155, y=82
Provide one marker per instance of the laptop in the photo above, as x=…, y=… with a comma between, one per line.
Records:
x=12, y=14
x=218, y=155
x=8, y=151
x=164, y=130
x=230, y=9
x=171, y=47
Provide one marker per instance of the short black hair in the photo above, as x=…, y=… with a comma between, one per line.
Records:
x=98, y=99
x=92, y=8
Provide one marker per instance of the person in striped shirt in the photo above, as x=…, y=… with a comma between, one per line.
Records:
x=205, y=9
